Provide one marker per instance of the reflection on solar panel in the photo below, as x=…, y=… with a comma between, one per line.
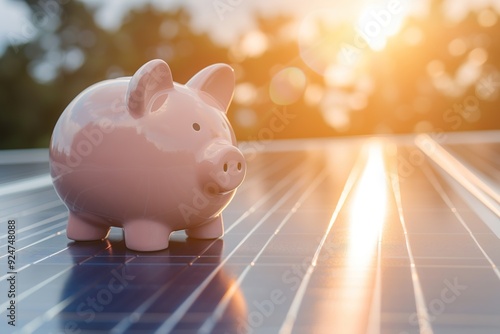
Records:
x=362, y=235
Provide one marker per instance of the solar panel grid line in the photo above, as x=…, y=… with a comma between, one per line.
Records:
x=488, y=154
x=34, y=324
x=26, y=184
x=346, y=262
x=25, y=294
x=465, y=177
x=35, y=234
x=209, y=324
x=276, y=167
x=50, y=255
x=263, y=166
x=480, y=160
x=424, y=323
x=33, y=210
x=13, y=203
x=126, y=322
x=438, y=187
x=286, y=181
x=22, y=206
x=38, y=241
x=293, y=310
x=18, y=199
x=374, y=316
x=36, y=225
x=445, y=187
x=181, y=310
x=484, y=182
x=481, y=211
x=11, y=174
x=22, y=172
x=30, y=245
x=59, y=307
x=22, y=156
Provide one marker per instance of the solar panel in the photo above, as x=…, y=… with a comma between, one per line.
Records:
x=361, y=235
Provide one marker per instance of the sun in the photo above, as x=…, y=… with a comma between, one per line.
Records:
x=379, y=20
x=328, y=35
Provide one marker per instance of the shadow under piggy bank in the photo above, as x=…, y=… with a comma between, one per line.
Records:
x=111, y=287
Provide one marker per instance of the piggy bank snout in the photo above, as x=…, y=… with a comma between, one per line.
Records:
x=228, y=169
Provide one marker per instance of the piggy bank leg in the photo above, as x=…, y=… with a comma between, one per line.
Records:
x=145, y=235
x=85, y=228
x=212, y=229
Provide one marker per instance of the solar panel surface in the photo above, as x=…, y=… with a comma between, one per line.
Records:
x=361, y=235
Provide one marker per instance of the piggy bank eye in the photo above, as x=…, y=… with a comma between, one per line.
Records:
x=196, y=127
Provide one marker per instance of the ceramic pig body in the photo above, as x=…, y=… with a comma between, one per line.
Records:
x=149, y=155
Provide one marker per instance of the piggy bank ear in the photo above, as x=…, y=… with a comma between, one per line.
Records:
x=147, y=85
x=217, y=81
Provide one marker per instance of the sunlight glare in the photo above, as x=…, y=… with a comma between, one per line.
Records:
x=366, y=217
x=254, y=43
x=368, y=209
x=380, y=20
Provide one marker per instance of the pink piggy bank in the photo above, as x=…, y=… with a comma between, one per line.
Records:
x=149, y=155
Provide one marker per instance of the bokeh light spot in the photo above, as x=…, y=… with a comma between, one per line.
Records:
x=339, y=75
x=73, y=59
x=287, y=86
x=246, y=117
x=478, y=56
x=245, y=93
x=337, y=118
x=357, y=101
x=435, y=68
x=487, y=18
x=313, y=94
x=413, y=36
x=318, y=39
x=254, y=44
x=169, y=29
x=457, y=47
